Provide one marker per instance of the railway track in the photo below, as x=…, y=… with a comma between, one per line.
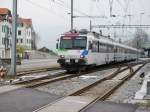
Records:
x=21, y=73
x=102, y=89
x=94, y=92
x=54, y=78
x=63, y=76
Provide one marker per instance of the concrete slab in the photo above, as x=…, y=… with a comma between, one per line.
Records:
x=25, y=100
x=101, y=106
x=121, y=75
x=140, y=95
x=8, y=88
x=68, y=104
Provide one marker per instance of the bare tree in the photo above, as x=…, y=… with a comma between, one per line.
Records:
x=140, y=38
x=36, y=38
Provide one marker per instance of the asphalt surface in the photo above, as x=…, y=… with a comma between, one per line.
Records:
x=36, y=63
x=25, y=100
x=101, y=106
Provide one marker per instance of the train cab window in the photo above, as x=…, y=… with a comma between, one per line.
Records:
x=73, y=42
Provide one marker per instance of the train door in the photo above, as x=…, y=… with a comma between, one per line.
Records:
x=90, y=54
x=95, y=52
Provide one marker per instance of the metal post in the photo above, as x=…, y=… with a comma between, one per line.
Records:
x=14, y=34
x=71, y=14
x=90, y=25
x=111, y=6
x=141, y=14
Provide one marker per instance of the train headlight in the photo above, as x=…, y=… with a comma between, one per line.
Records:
x=76, y=60
x=62, y=56
x=81, y=56
x=67, y=60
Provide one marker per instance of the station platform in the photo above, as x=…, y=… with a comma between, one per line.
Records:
x=25, y=100
x=101, y=106
x=7, y=88
x=68, y=104
x=77, y=103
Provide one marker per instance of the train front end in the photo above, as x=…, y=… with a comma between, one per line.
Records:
x=72, y=50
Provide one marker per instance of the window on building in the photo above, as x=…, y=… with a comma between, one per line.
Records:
x=3, y=41
x=10, y=41
x=29, y=41
x=7, y=30
x=21, y=24
x=10, y=32
x=21, y=40
x=3, y=29
x=19, y=32
x=3, y=54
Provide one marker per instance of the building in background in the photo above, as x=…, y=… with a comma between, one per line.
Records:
x=5, y=32
x=26, y=35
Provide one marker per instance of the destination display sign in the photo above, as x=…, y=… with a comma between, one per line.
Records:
x=73, y=37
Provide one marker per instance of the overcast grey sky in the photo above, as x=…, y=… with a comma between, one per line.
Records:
x=51, y=18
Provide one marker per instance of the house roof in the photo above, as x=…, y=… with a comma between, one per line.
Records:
x=4, y=11
x=28, y=22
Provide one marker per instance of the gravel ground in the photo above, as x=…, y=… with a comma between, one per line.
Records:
x=126, y=93
x=101, y=88
x=143, y=109
x=69, y=86
x=51, y=72
x=32, y=76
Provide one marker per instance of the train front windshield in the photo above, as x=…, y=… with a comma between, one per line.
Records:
x=73, y=42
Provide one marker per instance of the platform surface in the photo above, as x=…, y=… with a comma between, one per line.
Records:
x=68, y=104
x=25, y=100
x=101, y=106
x=8, y=88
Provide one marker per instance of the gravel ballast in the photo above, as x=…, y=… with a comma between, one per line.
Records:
x=66, y=87
x=126, y=93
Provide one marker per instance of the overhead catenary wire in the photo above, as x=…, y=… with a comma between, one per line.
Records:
x=83, y=15
x=65, y=5
x=46, y=9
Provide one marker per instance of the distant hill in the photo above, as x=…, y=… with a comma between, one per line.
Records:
x=46, y=50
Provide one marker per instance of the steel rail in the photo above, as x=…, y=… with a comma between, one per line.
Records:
x=97, y=82
x=21, y=73
x=48, y=80
x=62, y=76
x=99, y=98
x=113, y=89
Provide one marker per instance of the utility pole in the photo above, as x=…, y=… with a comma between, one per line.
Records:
x=111, y=6
x=14, y=34
x=72, y=15
x=90, y=25
x=141, y=14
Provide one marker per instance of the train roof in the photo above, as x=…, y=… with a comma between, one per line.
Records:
x=110, y=41
x=99, y=37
